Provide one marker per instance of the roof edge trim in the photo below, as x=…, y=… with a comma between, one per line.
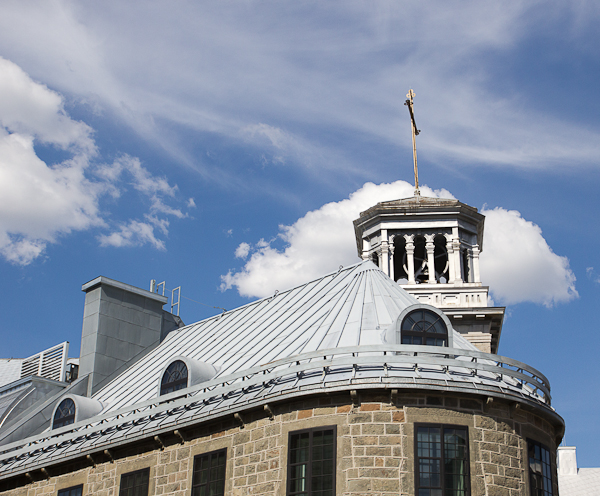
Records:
x=101, y=280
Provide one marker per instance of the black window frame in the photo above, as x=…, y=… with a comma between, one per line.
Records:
x=64, y=420
x=311, y=431
x=442, y=427
x=210, y=455
x=67, y=491
x=122, y=490
x=532, y=443
x=177, y=384
x=424, y=335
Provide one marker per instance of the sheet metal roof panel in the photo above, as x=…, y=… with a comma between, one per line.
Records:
x=345, y=308
x=227, y=338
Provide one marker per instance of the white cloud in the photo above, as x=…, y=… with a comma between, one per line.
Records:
x=242, y=250
x=315, y=244
x=129, y=170
x=40, y=202
x=191, y=203
x=31, y=109
x=516, y=262
x=519, y=265
x=134, y=233
x=591, y=274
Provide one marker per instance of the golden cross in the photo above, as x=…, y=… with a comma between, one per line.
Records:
x=415, y=132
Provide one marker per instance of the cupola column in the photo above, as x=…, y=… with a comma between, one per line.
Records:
x=475, y=263
x=391, y=258
x=384, y=260
x=451, y=259
x=365, y=250
x=410, y=257
x=457, y=276
x=430, y=248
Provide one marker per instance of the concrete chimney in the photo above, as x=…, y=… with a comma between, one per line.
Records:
x=567, y=460
x=121, y=323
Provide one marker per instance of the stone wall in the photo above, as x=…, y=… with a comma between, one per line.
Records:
x=375, y=448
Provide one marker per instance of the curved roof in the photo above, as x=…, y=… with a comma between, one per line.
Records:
x=325, y=335
x=350, y=307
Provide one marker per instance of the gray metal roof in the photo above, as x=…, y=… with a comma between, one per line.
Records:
x=585, y=483
x=10, y=370
x=350, y=307
x=325, y=335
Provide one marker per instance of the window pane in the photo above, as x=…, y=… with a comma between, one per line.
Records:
x=65, y=414
x=71, y=491
x=209, y=474
x=442, y=461
x=423, y=327
x=311, y=458
x=540, y=470
x=135, y=483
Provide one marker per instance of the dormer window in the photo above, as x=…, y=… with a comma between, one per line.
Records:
x=174, y=378
x=424, y=327
x=65, y=414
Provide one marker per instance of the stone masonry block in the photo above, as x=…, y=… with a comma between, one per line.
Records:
x=373, y=429
x=398, y=416
x=382, y=417
x=378, y=451
x=361, y=418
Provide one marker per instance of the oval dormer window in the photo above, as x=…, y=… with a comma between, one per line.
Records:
x=174, y=378
x=65, y=414
x=424, y=327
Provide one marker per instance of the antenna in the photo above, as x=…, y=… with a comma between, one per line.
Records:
x=174, y=302
x=161, y=287
x=415, y=132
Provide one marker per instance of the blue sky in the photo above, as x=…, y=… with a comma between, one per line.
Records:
x=225, y=147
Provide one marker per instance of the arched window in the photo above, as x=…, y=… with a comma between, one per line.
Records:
x=424, y=327
x=440, y=257
x=400, y=264
x=465, y=265
x=420, y=260
x=65, y=414
x=174, y=378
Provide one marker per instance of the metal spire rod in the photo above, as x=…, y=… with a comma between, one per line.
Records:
x=415, y=132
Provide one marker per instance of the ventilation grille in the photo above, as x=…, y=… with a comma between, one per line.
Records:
x=49, y=363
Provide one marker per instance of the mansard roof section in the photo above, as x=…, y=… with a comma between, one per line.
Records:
x=351, y=307
x=419, y=208
x=423, y=205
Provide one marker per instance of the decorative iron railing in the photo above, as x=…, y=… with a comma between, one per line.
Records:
x=360, y=367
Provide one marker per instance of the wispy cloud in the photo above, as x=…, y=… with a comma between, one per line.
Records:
x=133, y=233
x=592, y=275
x=320, y=69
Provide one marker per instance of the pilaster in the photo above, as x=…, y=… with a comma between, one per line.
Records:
x=430, y=248
x=410, y=257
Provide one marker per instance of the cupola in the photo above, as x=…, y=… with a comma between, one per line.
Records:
x=431, y=247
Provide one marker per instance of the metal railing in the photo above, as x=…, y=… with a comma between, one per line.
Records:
x=359, y=367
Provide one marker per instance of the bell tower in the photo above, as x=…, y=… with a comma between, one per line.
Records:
x=431, y=247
